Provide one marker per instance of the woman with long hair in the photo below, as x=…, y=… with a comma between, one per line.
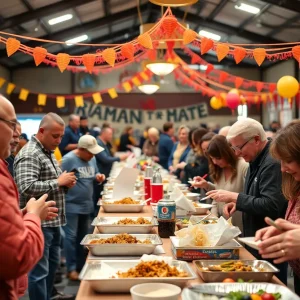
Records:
x=284, y=245
x=127, y=141
x=226, y=170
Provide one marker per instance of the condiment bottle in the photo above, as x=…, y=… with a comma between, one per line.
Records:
x=166, y=217
x=157, y=189
x=147, y=183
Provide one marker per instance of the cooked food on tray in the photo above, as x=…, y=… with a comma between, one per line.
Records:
x=153, y=268
x=231, y=266
x=128, y=221
x=122, y=238
x=126, y=200
x=205, y=222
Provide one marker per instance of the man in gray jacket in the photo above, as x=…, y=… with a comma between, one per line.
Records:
x=262, y=196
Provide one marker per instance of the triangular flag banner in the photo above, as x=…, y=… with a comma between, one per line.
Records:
x=2, y=80
x=112, y=93
x=23, y=94
x=79, y=101
x=136, y=81
x=10, y=88
x=97, y=98
x=60, y=101
x=127, y=86
x=42, y=98
x=144, y=76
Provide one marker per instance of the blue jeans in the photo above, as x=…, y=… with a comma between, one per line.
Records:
x=77, y=227
x=41, y=278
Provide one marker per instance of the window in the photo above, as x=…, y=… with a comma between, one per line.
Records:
x=30, y=124
x=242, y=112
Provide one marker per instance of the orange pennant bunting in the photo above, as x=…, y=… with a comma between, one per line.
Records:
x=2, y=81
x=239, y=54
x=89, y=61
x=296, y=53
x=42, y=98
x=109, y=56
x=79, y=101
x=127, y=50
x=62, y=60
x=10, y=87
x=206, y=45
x=39, y=54
x=189, y=36
x=222, y=50
x=112, y=93
x=259, y=86
x=152, y=54
x=169, y=24
x=12, y=45
x=238, y=82
x=60, y=101
x=145, y=40
x=259, y=55
x=23, y=94
x=127, y=86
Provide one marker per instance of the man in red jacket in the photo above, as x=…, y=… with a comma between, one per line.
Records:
x=21, y=238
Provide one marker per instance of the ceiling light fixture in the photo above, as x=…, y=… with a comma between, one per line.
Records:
x=77, y=39
x=210, y=35
x=247, y=8
x=161, y=68
x=173, y=3
x=148, y=88
x=60, y=19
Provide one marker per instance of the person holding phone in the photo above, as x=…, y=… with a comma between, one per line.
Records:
x=283, y=243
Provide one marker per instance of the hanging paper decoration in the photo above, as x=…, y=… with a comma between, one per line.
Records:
x=223, y=99
x=206, y=45
x=169, y=24
x=152, y=54
x=223, y=76
x=79, y=101
x=127, y=50
x=296, y=53
x=109, y=56
x=60, y=101
x=97, y=98
x=12, y=45
x=23, y=94
x=238, y=82
x=209, y=68
x=145, y=40
x=239, y=54
x=272, y=87
x=189, y=36
x=136, y=81
x=232, y=100
x=112, y=93
x=127, y=86
x=89, y=61
x=287, y=86
x=2, y=81
x=222, y=50
x=216, y=103
x=39, y=54
x=144, y=76
x=62, y=60
x=10, y=87
x=259, y=55
x=259, y=86
x=42, y=98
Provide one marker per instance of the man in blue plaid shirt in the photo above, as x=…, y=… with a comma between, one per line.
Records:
x=37, y=173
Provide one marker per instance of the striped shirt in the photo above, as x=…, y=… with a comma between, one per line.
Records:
x=36, y=173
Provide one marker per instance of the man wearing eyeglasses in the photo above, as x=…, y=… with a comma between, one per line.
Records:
x=262, y=196
x=21, y=238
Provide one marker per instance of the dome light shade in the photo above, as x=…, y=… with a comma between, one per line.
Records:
x=148, y=88
x=161, y=68
x=173, y=3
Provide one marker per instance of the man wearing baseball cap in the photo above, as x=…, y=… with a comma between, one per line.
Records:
x=79, y=200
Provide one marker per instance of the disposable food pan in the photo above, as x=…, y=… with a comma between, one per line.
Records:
x=263, y=271
x=103, y=282
x=108, y=225
x=110, y=207
x=121, y=249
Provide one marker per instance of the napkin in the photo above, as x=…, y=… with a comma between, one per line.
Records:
x=214, y=234
x=181, y=201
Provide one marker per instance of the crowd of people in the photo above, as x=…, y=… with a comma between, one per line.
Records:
x=50, y=186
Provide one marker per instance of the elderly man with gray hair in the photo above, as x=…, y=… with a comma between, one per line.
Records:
x=150, y=147
x=262, y=196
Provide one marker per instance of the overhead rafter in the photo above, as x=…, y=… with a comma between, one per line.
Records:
x=41, y=12
x=284, y=25
x=84, y=28
x=217, y=9
x=293, y=5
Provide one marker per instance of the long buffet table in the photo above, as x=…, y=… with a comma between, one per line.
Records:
x=86, y=293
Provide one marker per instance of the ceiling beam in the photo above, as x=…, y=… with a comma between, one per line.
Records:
x=230, y=30
x=217, y=9
x=293, y=5
x=84, y=28
x=41, y=12
x=283, y=26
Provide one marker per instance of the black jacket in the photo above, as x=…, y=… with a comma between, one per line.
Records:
x=262, y=195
